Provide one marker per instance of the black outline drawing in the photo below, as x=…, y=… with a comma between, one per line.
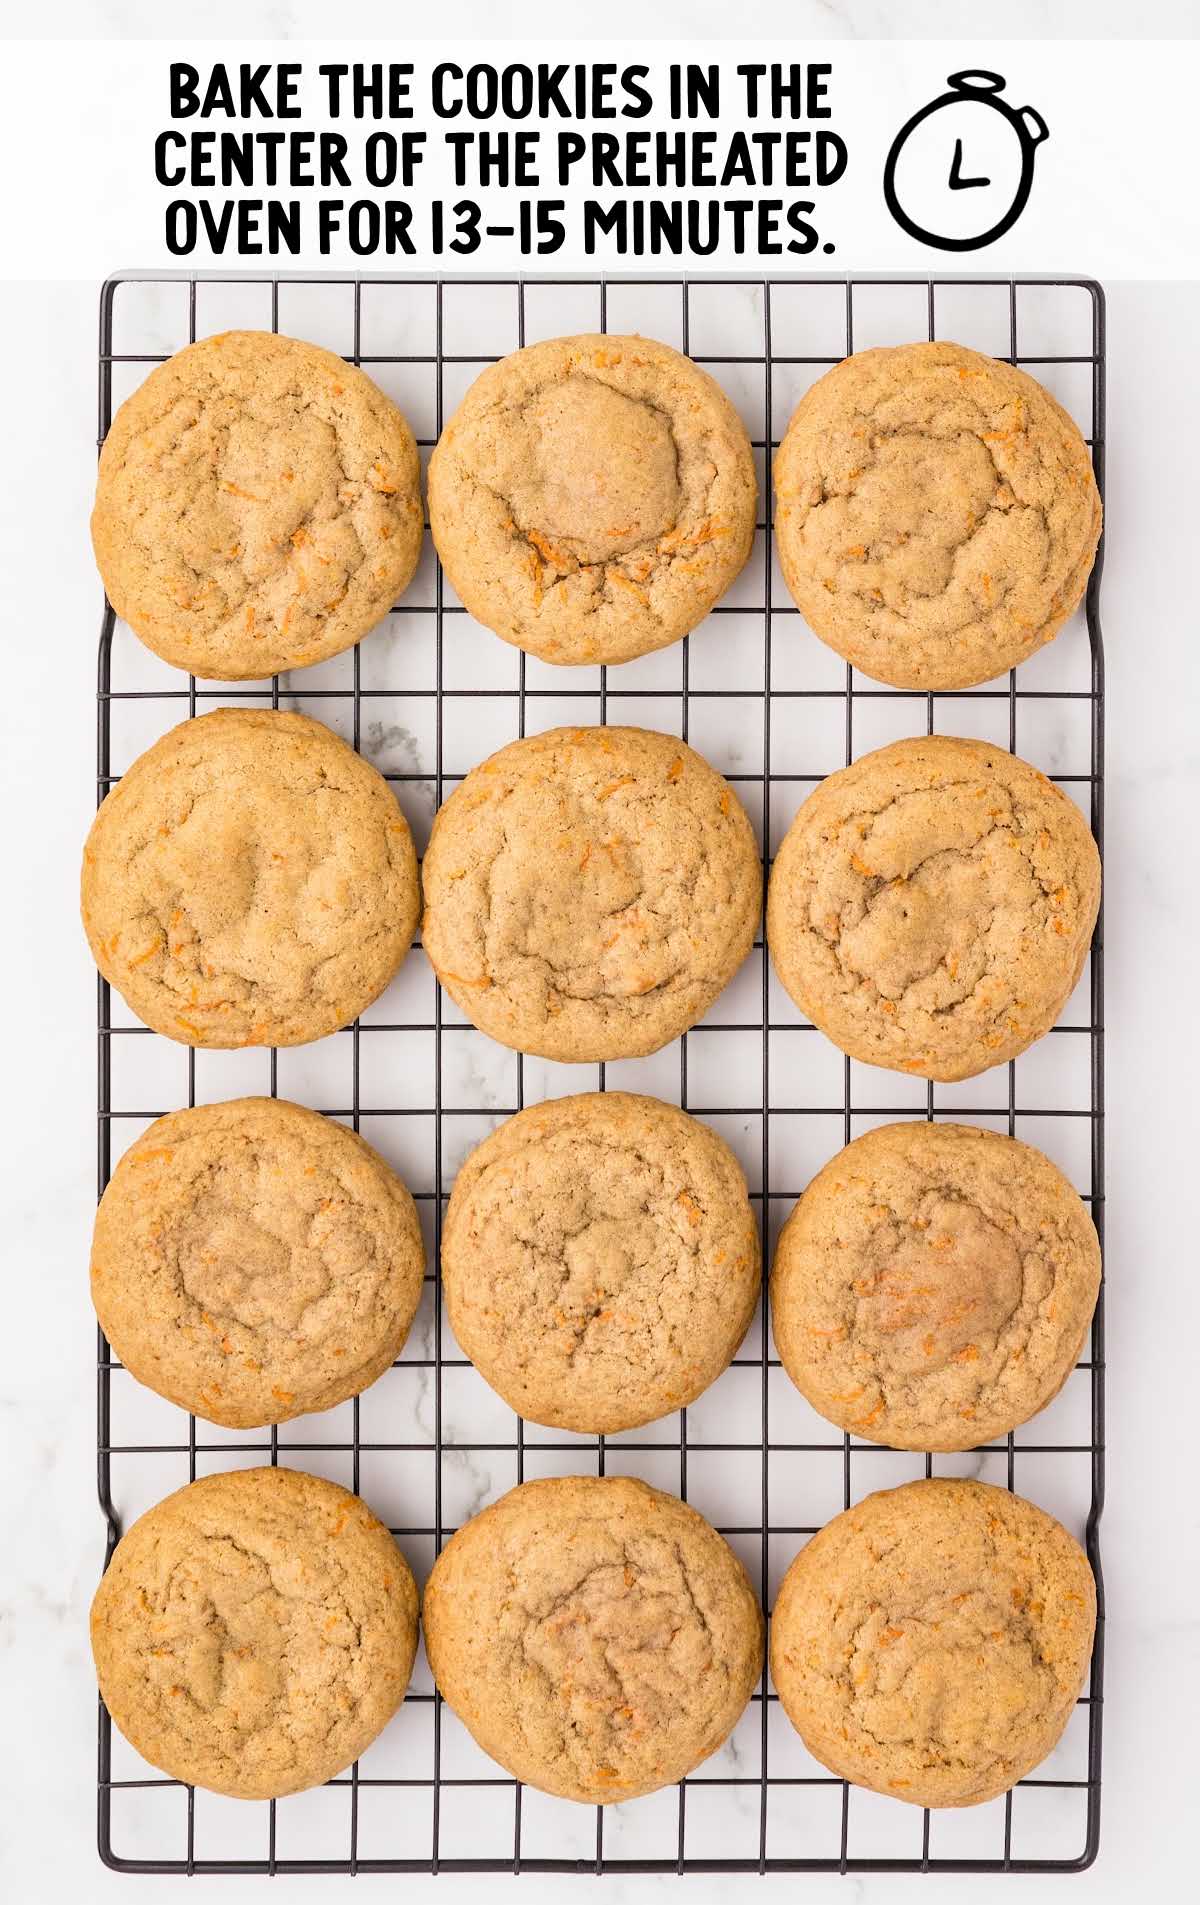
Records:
x=957, y=181
x=1029, y=126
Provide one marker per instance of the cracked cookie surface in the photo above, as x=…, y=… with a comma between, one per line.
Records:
x=253, y=1261
x=936, y=514
x=600, y=1260
x=254, y=1632
x=249, y=881
x=933, y=1287
x=589, y=892
x=598, y=1638
x=932, y=905
x=258, y=506
x=930, y=1642
x=593, y=497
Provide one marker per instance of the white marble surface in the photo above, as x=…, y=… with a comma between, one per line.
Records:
x=46, y=1396
x=690, y=19
x=46, y=1399
x=1151, y=1539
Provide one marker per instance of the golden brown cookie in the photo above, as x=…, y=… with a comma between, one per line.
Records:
x=931, y=1641
x=249, y=881
x=936, y=514
x=600, y=1260
x=932, y=906
x=258, y=506
x=253, y=1261
x=254, y=1632
x=934, y=1285
x=592, y=497
x=589, y=892
x=598, y=1638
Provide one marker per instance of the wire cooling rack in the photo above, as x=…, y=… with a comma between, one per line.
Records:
x=425, y=697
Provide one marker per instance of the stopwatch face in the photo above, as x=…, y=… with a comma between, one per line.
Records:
x=958, y=171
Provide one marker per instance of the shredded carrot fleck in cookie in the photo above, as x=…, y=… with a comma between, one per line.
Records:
x=690, y=1206
x=614, y=575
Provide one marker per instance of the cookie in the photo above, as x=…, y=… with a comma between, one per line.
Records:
x=931, y=1642
x=249, y=881
x=600, y=1260
x=932, y=906
x=936, y=514
x=258, y=506
x=589, y=892
x=592, y=497
x=598, y=1639
x=933, y=1287
x=253, y=1261
x=254, y=1632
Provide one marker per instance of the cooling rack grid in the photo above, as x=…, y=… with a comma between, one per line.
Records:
x=425, y=697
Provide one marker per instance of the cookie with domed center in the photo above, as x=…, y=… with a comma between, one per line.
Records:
x=253, y=1261
x=254, y=1632
x=593, y=497
x=931, y=1641
x=933, y=1287
x=250, y=880
x=932, y=905
x=936, y=514
x=600, y=1260
x=258, y=506
x=589, y=892
x=598, y=1638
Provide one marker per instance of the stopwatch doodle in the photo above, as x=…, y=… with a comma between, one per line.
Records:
x=965, y=162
